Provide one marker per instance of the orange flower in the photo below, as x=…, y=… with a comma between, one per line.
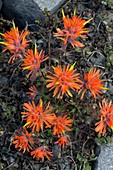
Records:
x=15, y=42
x=41, y=153
x=32, y=93
x=33, y=60
x=61, y=124
x=36, y=116
x=62, y=80
x=73, y=28
x=92, y=82
x=23, y=140
x=106, y=118
x=62, y=141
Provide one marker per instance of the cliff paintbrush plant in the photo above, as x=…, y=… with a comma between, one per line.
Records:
x=37, y=116
x=62, y=141
x=32, y=93
x=32, y=61
x=92, y=83
x=23, y=140
x=43, y=124
x=73, y=28
x=63, y=80
x=15, y=42
x=62, y=124
x=40, y=153
x=106, y=117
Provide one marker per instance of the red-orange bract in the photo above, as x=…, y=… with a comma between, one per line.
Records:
x=36, y=116
x=32, y=93
x=32, y=61
x=62, y=124
x=15, y=42
x=62, y=141
x=23, y=140
x=92, y=82
x=41, y=153
x=73, y=28
x=106, y=118
x=62, y=80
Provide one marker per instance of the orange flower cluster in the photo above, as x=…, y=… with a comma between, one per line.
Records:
x=32, y=61
x=62, y=141
x=36, y=116
x=32, y=93
x=41, y=153
x=15, y=42
x=62, y=80
x=73, y=28
x=106, y=117
x=92, y=82
x=23, y=140
x=61, y=125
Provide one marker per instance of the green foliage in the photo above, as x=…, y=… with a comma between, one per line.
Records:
x=7, y=110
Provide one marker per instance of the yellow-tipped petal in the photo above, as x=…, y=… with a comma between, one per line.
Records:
x=2, y=43
x=74, y=11
x=90, y=70
x=53, y=67
x=69, y=93
x=1, y=34
x=40, y=103
x=25, y=68
x=111, y=127
x=88, y=21
x=26, y=124
x=63, y=13
x=57, y=82
x=105, y=88
x=13, y=24
x=71, y=68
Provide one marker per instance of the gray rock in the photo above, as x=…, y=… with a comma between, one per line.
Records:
x=50, y=5
x=29, y=11
x=105, y=159
x=23, y=11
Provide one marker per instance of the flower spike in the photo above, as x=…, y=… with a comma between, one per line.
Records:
x=73, y=28
x=92, y=83
x=62, y=80
x=106, y=117
x=15, y=42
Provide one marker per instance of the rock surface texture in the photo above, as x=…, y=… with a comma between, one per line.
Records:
x=50, y=5
x=105, y=159
x=28, y=11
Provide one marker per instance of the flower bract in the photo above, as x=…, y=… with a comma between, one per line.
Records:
x=63, y=80
x=73, y=28
x=40, y=153
x=15, y=42
x=62, y=141
x=93, y=83
x=62, y=124
x=106, y=117
x=37, y=116
x=23, y=140
x=32, y=61
x=32, y=93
